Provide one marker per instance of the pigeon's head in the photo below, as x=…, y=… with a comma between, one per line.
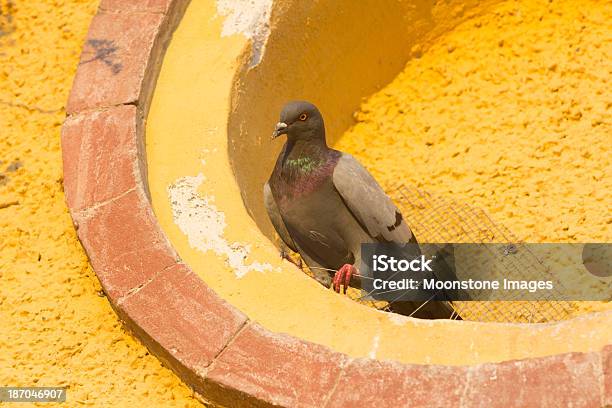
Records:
x=300, y=120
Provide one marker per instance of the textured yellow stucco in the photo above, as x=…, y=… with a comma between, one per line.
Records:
x=510, y=112
x=55, y=330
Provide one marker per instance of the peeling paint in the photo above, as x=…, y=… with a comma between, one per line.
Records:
x=250, y=18
x=203, y=224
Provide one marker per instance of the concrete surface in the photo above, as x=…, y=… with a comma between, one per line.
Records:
x=55, y=328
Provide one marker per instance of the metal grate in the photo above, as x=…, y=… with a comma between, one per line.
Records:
x=438, y=219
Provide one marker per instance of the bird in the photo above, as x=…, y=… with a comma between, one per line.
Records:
x=324, y=204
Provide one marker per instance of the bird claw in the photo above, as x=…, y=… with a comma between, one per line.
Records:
x=343, y=277
x=285, y=255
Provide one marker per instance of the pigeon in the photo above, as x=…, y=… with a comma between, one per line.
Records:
x=324, y=204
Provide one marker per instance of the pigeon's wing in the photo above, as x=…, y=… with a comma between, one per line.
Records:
x=277, y=220
x=368, y=203
x=377, y=214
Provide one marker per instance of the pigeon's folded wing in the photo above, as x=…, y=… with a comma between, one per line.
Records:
x=277, y=220
x=368, y=203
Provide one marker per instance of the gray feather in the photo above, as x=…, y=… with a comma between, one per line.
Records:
x=368, y=203
x=277, y=220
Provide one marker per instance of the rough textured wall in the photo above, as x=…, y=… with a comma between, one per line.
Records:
x=509, y=112
x=54, y=327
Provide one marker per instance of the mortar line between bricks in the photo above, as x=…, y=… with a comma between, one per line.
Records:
x=103, y=108
x=466, y=387
x=88, y=212
x=140, y=287
x=243, y=327
x=344, y=365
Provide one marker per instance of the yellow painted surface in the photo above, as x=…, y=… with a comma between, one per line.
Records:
x=207, y=96
x=54, y=328
x=516, y=121
x=510, y=112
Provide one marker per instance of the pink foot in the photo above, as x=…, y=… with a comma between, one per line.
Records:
x=343, y=276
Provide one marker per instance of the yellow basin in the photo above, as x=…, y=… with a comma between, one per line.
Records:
x=226, y=74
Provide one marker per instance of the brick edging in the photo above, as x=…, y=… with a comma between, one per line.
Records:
x=211, y=345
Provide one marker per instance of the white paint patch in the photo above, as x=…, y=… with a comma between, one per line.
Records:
x=375, y=345
x=398, y=319
x=204, y=224
x=250, y=18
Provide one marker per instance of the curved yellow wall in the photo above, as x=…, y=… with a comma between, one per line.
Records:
x=211, y=109
x=333, y=54
x=514, y=121
x=55, y=328
x=509, y=112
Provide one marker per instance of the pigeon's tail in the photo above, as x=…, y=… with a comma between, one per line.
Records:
x=437, y=305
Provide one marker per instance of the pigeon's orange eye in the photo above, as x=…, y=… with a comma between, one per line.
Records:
x=303, y=117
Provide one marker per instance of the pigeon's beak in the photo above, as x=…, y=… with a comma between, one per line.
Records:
x=281, y=129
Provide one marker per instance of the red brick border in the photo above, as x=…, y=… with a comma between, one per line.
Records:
x=212, y=346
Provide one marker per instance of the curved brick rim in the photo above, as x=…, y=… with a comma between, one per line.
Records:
x=212, y=346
